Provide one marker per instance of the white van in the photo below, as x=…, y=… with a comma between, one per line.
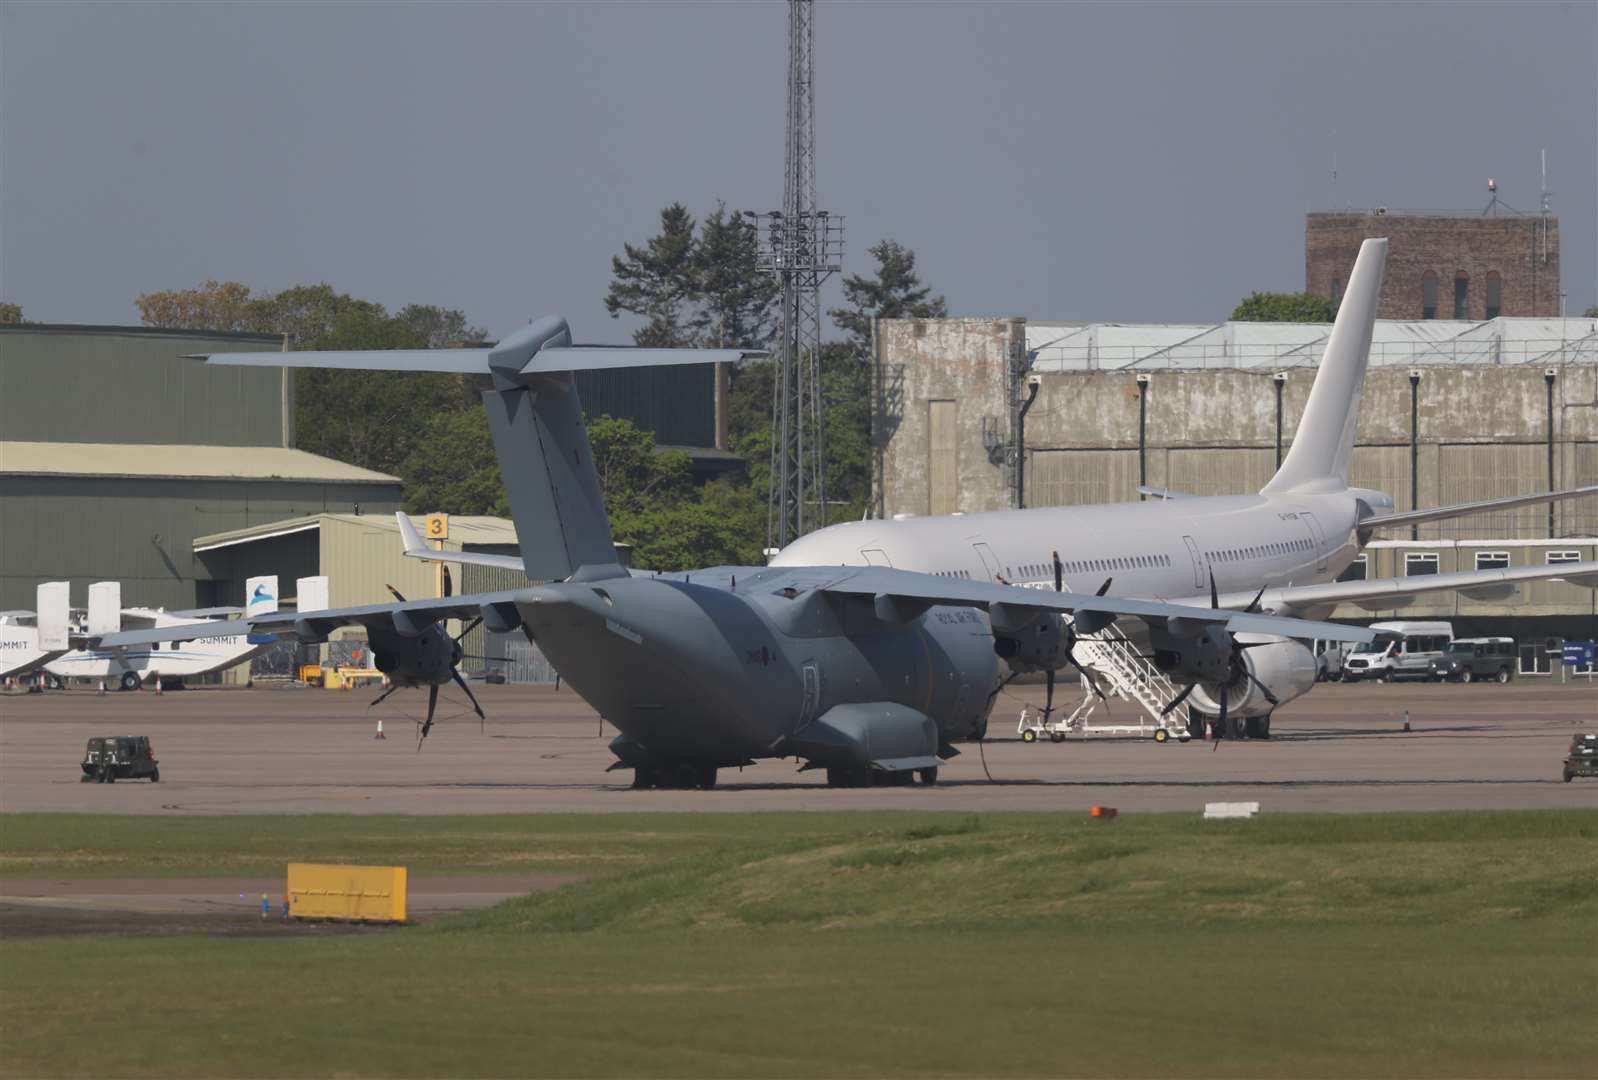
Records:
x=1401, y=650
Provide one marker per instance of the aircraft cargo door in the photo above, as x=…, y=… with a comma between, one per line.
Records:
x=1317, y=538
x=989, y=560
x=875, y=557
x=1198, y=562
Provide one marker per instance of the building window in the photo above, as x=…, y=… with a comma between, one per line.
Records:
x=1337, y=293
x=1495, y=294
x=1420, y=563
x=1461, y=294
x=1492, y=560
x=1563, y=556
x=1357, y=570
x=1428, y=295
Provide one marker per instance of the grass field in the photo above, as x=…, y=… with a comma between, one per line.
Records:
x=845, y=945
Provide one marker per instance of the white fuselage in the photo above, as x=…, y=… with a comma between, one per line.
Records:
x=170, y=659
x=19, y=648
x=1162, y=548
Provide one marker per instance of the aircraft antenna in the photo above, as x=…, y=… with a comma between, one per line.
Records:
x=802, y=246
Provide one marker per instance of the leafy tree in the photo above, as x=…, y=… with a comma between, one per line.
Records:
x=895, y=292
x=453, y=469
x=1284, y=307
x=10, y=313
x=1590, y=313
x=213, y=305
x=440, y=328
x=735, y=301
x=658, y=282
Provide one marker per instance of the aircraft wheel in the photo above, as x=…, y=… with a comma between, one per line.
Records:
x=130, y=680
x=1467, y=676
x=110, y=776
x=1161, y=735
x=85, y=778
x=928, y=776
x=55, y=682
x=1503, y=676
x=1029, y=736
x=643, y=778
x=1569, y=776
x=1195, y=724
x=705, y=777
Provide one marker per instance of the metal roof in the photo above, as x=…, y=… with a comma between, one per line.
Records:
x=170, y=461
x=275, y=340
x=1064, y=347
x=463, y=529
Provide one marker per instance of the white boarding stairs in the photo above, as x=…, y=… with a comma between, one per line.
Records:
x=1121, y=670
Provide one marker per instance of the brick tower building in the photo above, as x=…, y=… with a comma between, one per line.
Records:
x=1442, y=266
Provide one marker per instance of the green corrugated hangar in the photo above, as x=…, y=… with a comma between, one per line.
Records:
x=119, y=451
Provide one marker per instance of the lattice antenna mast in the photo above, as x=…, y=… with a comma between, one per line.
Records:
x=802, y=246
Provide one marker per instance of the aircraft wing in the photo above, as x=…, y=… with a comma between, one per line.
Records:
x=406, y=617
x=1384, y=593
x=1486, y=506
x=903, y=594
x=417, y=548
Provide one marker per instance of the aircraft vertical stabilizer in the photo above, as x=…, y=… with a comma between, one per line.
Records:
x=1318, y=459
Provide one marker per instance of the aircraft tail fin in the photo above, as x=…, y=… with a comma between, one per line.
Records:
x=1319, y=457
x=537, y=424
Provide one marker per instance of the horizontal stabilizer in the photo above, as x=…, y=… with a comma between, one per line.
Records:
x=1486, y=506
x=417, y=548
x=1161, y=493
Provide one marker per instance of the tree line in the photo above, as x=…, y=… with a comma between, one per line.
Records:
x=693, y=283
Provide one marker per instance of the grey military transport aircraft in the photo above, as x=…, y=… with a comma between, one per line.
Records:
x=1278, y=551
x=872, y=673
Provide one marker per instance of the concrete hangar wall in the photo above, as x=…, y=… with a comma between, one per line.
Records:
x=1487, y=399
x=118, y=452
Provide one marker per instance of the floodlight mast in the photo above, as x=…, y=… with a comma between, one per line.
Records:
x=802, y=247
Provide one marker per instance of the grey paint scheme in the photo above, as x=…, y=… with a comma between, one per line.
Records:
x=858, y=670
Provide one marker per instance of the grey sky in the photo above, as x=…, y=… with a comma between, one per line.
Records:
x=1074, y=161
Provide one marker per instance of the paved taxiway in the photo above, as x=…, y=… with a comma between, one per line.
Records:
x=300, y=750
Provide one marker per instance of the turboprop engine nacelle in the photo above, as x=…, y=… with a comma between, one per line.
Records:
x=1287, y=667
x=1191, y=652
x=429, y=658
x=1040, y=643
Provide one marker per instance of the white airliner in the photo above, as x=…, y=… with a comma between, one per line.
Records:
x=1291, y=540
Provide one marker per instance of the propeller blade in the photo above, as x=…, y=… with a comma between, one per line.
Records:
x=432, y=705
x=468, y=628
x=1105, y=587
x=384, y=695
x=1215, y=597
x=1254, y=604
x=1178, y=699
x=449, y=584
x=1264, y=690
x=1059, y=572
x=1048, y=694
x=1220, y=722
x=395, y=592
x=1241, y=645
x=461, y=682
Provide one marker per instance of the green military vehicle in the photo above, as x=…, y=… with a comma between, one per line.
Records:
x=1583, y=758
x=120, y=757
